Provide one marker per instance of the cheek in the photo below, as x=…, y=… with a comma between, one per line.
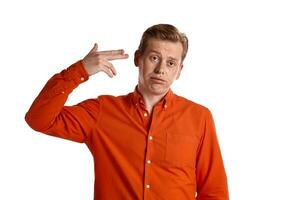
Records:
x=144, y=72
x=173, y=76
x=177, y=75
x=148, y=68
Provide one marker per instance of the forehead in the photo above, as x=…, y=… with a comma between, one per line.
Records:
x=165, y=48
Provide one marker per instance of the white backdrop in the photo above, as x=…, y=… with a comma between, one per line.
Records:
x=243, y=64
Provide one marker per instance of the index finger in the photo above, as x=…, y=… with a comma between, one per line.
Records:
x=111, y=52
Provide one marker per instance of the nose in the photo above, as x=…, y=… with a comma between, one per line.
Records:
x=160, y=69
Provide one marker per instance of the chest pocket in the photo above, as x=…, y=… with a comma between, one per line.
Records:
x=181, y=149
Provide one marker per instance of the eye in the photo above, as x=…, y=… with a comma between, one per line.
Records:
x=171, y=63
x=154, y=58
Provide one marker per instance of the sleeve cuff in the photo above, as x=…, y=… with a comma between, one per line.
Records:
x=76, y=73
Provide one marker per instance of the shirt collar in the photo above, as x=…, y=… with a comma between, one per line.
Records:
x=137, y=98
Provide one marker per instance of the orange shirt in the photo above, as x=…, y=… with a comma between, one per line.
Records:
x=172, y=154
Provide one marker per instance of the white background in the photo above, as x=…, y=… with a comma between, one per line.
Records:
x=243, y=64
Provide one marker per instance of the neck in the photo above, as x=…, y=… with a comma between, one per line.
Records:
x=151, y=99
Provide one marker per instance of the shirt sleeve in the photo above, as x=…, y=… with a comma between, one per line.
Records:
x=210, y=172
x=48, y=114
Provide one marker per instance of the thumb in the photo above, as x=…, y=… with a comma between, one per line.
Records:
x=94, y=49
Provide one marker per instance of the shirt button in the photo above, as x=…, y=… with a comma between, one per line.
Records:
x=150, y=138
x=149, y=161
x=165, y=106
x=62, y=92
x=148, y=186
x=81, y=78
x=145, y=114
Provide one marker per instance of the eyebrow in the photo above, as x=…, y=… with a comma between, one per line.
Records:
x=154, y=51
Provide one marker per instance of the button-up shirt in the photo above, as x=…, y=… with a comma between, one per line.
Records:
x=169, y=154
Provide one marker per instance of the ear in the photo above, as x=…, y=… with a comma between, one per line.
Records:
x=179, y=72
x=137, y=56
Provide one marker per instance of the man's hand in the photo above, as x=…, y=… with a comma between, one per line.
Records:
x=96, y=61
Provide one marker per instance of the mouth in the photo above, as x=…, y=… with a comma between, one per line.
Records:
x=157, y=80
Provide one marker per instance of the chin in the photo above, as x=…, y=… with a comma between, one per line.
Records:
x=159, y=90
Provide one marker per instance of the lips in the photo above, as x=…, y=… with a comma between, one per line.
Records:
x=157, y=80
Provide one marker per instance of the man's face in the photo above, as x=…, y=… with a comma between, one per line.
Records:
x=159, y=66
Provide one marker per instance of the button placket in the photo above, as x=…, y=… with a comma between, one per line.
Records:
x=148, y=163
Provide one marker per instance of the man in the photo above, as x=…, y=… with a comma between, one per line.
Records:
x=149, y=144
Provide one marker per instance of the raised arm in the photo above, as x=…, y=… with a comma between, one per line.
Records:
x=48, y=114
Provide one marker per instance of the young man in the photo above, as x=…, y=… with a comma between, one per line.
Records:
x=148, y=144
